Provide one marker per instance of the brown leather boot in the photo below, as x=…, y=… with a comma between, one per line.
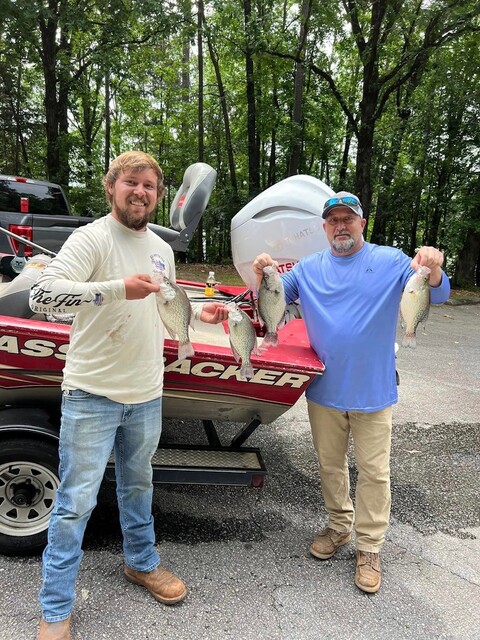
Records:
x=54, y=630
x=328, y=541
x=162, y=584
x=368, y=574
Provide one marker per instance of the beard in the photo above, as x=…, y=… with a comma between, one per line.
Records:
x=343, y=246
x=131, y=220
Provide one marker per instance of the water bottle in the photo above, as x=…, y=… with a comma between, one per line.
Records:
x=210, y=285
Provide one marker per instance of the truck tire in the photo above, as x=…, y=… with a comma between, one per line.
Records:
x=28, y=484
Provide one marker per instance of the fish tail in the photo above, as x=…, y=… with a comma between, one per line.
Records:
x=409, y=341
x=185, y=350
x=270, y=339
x=246, y=370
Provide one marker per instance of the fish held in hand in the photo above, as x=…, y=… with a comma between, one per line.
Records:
x=176, y=313
x=414, y=305
x=243, y=339
x=271, y=304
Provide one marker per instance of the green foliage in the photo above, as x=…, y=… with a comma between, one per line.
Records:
x=422, y=162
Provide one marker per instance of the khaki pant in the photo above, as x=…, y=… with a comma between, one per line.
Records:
x=371, y=433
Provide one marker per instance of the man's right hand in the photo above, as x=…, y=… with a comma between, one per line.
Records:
x=140, y=286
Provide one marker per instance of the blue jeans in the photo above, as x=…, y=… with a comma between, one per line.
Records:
x=91, y=427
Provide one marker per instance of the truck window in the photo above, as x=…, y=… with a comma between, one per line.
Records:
x=42, y=199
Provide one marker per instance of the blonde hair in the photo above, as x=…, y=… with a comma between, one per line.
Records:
x=132, y=161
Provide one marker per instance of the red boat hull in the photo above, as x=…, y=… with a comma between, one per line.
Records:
x=206, y=386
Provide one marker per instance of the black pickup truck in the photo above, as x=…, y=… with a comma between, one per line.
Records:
x=36, y=210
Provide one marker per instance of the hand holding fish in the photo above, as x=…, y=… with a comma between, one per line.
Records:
x=431, y=258
x=214, y=312
x=261, y=261
x=139, y=286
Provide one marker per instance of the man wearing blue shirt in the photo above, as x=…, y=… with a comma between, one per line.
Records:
x=350, y=296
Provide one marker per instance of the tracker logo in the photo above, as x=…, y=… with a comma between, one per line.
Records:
x=212, y=369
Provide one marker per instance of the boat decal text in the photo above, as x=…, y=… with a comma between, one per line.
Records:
x=209, y=369
x=43, y=348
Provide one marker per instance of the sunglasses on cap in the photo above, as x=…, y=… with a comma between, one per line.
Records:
x=351, y=201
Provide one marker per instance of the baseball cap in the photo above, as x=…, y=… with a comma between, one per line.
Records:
x=343, y=199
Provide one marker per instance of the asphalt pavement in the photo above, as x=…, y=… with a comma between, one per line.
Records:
x=244, y=552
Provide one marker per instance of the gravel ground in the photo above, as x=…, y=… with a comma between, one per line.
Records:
x=244, y=552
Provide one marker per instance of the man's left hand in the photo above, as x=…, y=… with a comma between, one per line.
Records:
x=431, y=258
x=214, y=313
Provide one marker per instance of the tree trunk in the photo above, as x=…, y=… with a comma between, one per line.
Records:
x=383, y=212
x=63, y=175
x=253, y=139
x=363, y=172
x=48, y=54
x=444, y=190
x=342, y=176
x=226, y=118
x=106, y=161
x=201, y=127
x=466, y=267
x=297, y=114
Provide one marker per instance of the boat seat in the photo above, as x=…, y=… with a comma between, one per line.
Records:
x=188, y=206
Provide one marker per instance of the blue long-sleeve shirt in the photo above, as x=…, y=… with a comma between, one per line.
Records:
x=350, y=305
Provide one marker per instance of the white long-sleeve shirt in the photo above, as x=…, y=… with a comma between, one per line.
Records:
x=116, y=345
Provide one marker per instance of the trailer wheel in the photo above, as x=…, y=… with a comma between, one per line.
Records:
x=28, y=483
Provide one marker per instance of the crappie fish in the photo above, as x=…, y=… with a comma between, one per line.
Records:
x=243, y=339
x=271, y=304
x=414, y=305
x=176, y=313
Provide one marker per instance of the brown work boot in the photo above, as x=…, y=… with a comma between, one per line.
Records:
x=328, y=541
x=368, y=574
x=54, y=630
x=162, y=584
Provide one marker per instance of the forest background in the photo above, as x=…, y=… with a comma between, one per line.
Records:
x=379, y=98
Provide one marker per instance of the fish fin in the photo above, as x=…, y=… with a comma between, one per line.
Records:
x=409, y=341
x=185, y=350
x=283, y=321
x=270, y=340
x=424, y=318
x=172, y=333
x=235, y=352
x=246, y=370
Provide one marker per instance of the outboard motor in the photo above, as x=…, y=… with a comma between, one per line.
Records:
x=188, y=206
x=284, y=221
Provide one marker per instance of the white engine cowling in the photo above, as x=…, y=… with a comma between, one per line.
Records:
x=284, y=221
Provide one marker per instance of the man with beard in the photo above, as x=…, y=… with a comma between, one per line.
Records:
x=112, y=384
x=350, y=296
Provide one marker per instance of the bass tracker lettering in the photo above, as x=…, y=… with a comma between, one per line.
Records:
x=40, y=348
